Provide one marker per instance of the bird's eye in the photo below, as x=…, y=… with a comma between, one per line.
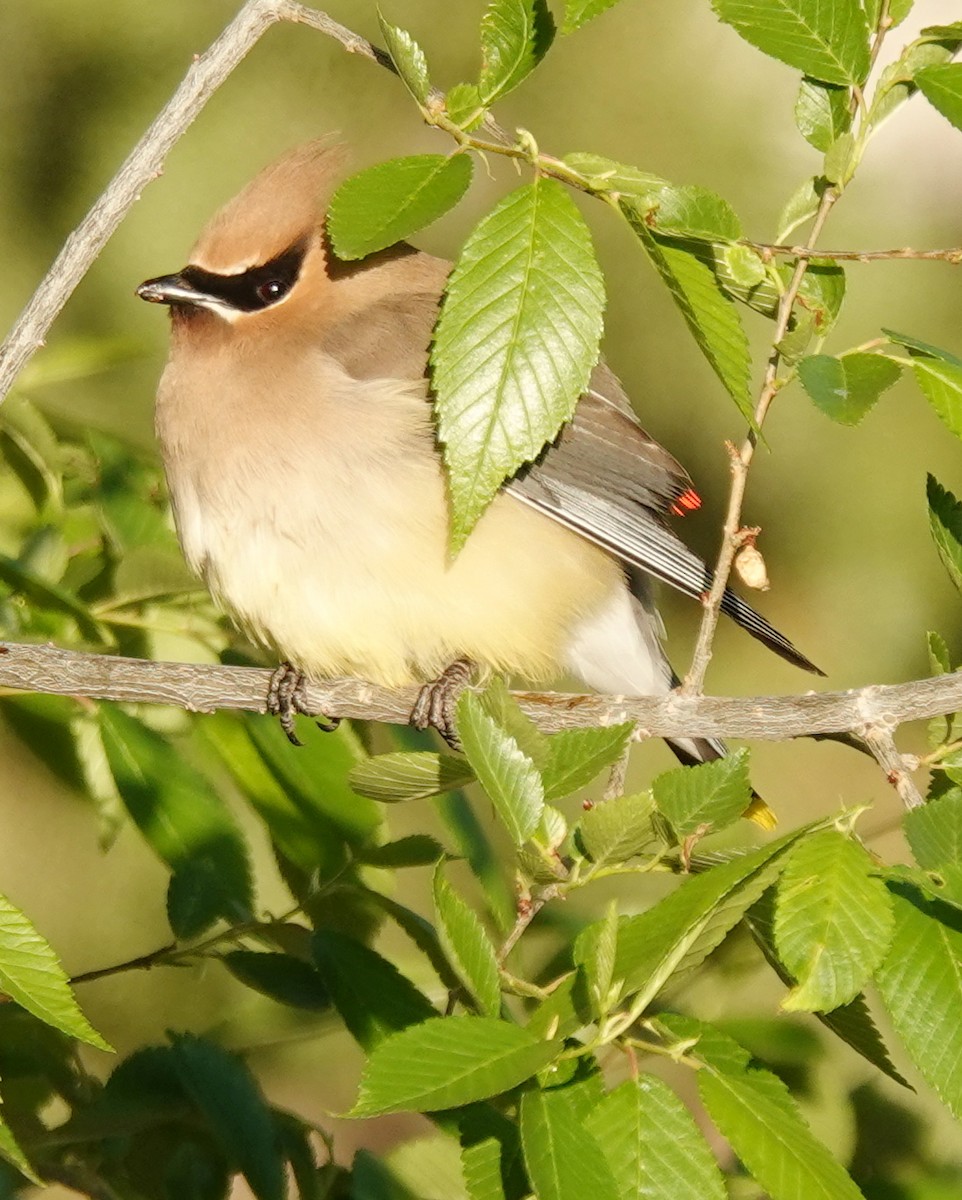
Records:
x=272, y=290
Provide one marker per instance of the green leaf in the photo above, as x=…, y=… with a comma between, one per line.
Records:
x=31, y=975
x=409, y=59
x=515, y=37
x=606, y=175
x=822, y=113
x=945, y=523
x=463, y=105
x=800, y=207
x=414, y=850
x=282, y=977
x=941, y=384
x=32, y=451
x=409, y=775
x=11, y=1151
x=653, y=1145
x=680, y=931
x=695, y=212
x=846, y=387
x=227, y=1094
x=594, y=953
x=942, y=86
x=580, y=12
x=827, y=39
x=709, y=313
x=833, y=921
x=387, y=203
x=709, y=795
x=934, y=831
x=506, y=773
x=481, y=1166
x=563, y=1159
x=757, y=1114
x=917, y=347
x=618, y=829
x=447, y=1062
x=50, y=597
x=575, y=756
x=183, y=822
x=372, y=996
x=921, y=986
x=515, y=343
x=851, y=1022
x=467, y=945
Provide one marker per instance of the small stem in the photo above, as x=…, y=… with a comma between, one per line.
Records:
x=879, y=740
x=951, y=254
x=741, y=461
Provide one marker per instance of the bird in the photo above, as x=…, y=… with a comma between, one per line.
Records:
x=295, y=424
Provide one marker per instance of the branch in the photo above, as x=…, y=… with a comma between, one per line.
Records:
x=206, y=688
x=145, y=163
x=768, y=250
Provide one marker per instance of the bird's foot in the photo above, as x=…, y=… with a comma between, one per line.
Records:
x=287, y=696
x=437, y=703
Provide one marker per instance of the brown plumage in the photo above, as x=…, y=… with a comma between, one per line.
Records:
x=296, y=429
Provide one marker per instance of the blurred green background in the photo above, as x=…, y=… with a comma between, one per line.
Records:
x=855, y=579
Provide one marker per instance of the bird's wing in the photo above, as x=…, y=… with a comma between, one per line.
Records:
x=606, y=479
x=603, y=476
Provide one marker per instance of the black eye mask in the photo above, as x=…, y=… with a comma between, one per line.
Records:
x=258, y=287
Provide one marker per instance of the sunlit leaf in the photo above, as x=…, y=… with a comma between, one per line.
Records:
x=942, y=87
x=515, y=36
x=564, y=1160
x=945, y=523
x=846, y=387
x=467, y=945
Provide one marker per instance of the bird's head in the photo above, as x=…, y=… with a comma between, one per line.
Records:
x=263, y=250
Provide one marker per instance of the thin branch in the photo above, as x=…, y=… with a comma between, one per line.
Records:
x=207, y=688
x=145, y=163
x=741, y=460
x=768, y=250
x=897, y=767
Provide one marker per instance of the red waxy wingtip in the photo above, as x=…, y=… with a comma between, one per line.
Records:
x=686, y=502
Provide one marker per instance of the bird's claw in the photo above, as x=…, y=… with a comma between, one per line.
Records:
x=287, y=696
x=437, y=702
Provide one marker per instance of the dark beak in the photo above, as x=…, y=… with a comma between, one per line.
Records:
x=169, y=289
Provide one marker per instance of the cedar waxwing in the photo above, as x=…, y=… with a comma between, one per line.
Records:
x=308, y=490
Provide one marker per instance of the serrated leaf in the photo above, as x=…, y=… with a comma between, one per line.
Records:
x=712, y=794
x=916, y=346
x=833, y=921
x=740, y=267
x=575, y=756
x=822, y=113
x=941, y=384
x=934, y=831
x=515, y=343
x=757, y=1114
x=372, y=996
x=281, y=977
x=851, y=1022
x=653, y=1145
x=580, y=12
x=680, y=931
x=846, y=387
x=183, y=821
x=515, y=37
x=447, y=1062
x=409, y=775
x=564, y=1161
x=31, y=975
x=227, y=1094
x=945, y=524
x=467, y=945
x=481, y=1166
x=921, y=986
x=709, y=313
x=463, y=105
x=801, y=206
x=618, y=829
x=387, y=203
x=940, y=661
x=594, y=952
x=408, y=57
x=942, y=86
x=827, y=39
x=506, y=773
